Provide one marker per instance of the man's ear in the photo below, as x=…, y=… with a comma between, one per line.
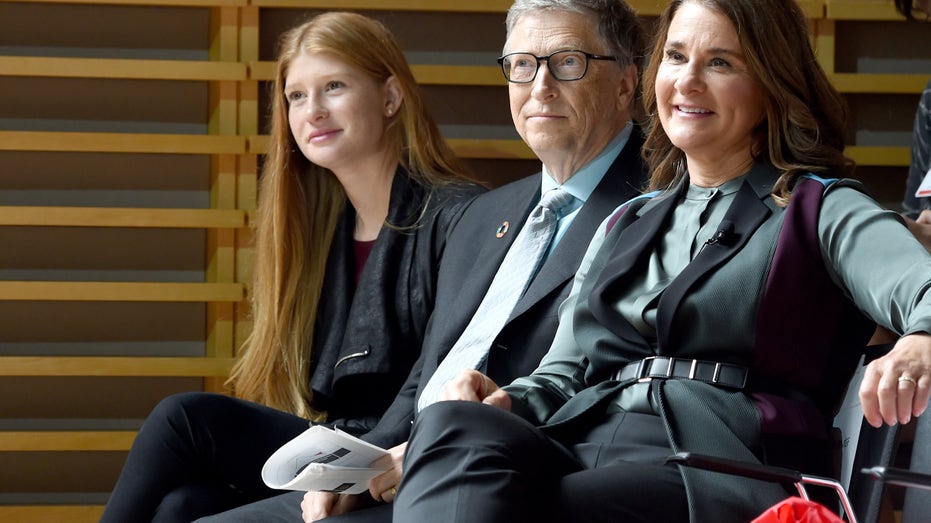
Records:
x=393, y=96
x=627, y=86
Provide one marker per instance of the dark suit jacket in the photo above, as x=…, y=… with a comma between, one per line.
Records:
x=369, y=334
x=473, y=254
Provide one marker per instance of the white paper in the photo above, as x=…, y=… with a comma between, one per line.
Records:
x=331, y=460
x=849, y=419
x=924, y=189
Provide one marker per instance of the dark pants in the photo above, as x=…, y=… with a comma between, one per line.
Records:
x=199, y=454
x=470, y=462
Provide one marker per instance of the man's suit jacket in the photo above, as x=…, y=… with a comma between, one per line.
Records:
x=473, y=254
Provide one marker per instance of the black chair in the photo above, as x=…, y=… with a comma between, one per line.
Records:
x=917, y=505
x=862, y=446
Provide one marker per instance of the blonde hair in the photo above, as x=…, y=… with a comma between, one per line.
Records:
x=803, y=128
x=299, y=205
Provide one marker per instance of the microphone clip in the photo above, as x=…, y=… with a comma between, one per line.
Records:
x=723, y=235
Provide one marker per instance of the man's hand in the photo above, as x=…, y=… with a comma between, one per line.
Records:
x=471, y=385
x=383, y=487
x=319, y=505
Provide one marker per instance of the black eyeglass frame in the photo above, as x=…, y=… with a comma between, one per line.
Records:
x=588, y=58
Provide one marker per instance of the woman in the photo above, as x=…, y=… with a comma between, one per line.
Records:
x=356, y=169
x=716, y=315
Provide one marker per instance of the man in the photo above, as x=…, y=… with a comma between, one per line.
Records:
x=573, y=110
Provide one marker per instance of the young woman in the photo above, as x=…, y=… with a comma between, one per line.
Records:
x=356, y=195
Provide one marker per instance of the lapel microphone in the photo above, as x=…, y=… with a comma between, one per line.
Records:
x=724, y=233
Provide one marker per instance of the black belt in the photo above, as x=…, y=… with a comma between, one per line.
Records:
x=661, y=367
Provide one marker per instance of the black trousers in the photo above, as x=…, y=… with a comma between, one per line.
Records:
x=470, y=462
x=199, y=454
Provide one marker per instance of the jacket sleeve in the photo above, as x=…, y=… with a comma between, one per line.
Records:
x=876, y=260
x=394, y=427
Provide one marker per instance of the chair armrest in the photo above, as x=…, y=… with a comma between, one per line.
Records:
x=902, y=477
x=739, y=468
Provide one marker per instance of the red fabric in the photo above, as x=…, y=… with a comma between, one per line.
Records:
x=798, y=510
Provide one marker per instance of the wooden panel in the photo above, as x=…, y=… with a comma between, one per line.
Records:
x=122, y=217
x=37, y=441
x=53, y=67
x=113, y=366
x=120, y=143
x=463, y=147
x=880, y=83
x=813, y=9
x=492, y=149
x=166, y=3
x=51, y=514
x=870, y=155
x=120, y=291
x=861, y=10
x=646, y=7
x=475, y=6
x=424, y=74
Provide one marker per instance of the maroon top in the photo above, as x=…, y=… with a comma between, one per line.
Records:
x=362, y=249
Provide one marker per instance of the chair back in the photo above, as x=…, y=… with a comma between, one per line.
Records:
x=917, y=507
x=864, y=446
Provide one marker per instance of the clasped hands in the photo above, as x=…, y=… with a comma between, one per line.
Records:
x=470, y=385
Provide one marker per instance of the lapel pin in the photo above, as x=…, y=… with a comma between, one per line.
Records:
x=502, y=229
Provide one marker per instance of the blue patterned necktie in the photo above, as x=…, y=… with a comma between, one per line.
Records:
x=514, y=275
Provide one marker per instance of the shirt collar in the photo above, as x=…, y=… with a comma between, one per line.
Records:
x=582, y=184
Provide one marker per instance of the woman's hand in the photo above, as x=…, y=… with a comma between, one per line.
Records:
x=384, y=487
x=471, y=385
x=897, y=386
x=318, y=505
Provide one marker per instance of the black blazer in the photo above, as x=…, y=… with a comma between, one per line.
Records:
x=368, y=337
x=473, y=254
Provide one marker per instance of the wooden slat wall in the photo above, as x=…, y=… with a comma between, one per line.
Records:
x=108, y=156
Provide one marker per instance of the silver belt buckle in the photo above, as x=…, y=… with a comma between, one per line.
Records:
x=643, y=368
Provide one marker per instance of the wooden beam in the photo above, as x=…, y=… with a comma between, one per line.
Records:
x=883, y=156
x=120, y=291
x=120, y=142
x=463, y=147
x=122, y=217
x=51, y=513
x=872, y=10
x=54, y=67
x=66, y=440
x=880, y=83
x=425, y=74
x=491, y=149
x=113, y=366
x=162, y=3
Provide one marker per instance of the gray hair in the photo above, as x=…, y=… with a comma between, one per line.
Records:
x=618, y=24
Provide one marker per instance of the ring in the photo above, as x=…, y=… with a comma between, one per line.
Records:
x=394, y=491
x=906, y=378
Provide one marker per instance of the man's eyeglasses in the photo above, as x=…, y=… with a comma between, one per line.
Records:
x=521, y=68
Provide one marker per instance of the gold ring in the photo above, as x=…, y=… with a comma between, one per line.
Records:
x=906, y=378
x=394, y=491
